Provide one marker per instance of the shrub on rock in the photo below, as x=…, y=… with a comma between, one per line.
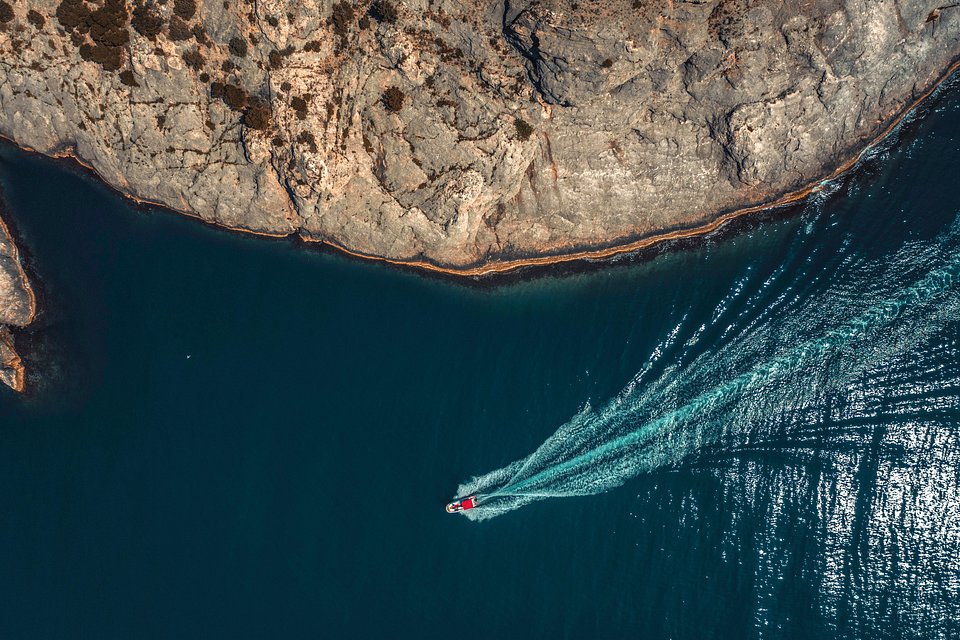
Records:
x=74, y=15
x=383, y=11
x=308, y=139
x=108, y=27
x=194, y=59
x=126, y=77
x=523, y=128
x=342, y=18
x=147, y=21
x=109, y=36
x=112, y=15
x=235, y=97
x=200, y=35
x=300, y=106
x=238, y=47
x=6, y=11
x=393, y=99
x=179, y=30
x=257, y=117
x=36, y=19
x=184, y=9
x=110, y=58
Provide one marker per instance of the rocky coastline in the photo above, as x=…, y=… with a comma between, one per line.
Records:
x=17, y=309
x=461, y=137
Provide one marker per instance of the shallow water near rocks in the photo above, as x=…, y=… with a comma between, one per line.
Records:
x=230, y=436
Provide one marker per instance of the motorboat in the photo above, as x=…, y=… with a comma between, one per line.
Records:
x=463, y=504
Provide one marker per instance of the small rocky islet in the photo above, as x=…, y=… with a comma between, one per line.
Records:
x=458, y=135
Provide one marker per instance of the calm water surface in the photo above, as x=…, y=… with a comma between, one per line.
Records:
x=235, y=437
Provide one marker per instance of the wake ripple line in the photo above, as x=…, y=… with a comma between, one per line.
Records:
x=537, y=486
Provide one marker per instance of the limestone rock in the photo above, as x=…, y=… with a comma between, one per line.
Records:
x=465, y=133
x=17, y=308
x=11, y=367
x=16, y=298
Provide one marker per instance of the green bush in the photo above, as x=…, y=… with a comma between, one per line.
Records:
x=308, y=139
x=257, y=117
x=523, y=128
x=108, y=24
x=393, y=99
x=342, y=18
x=179, y=30
x=200, y=35
x=36, y=19
x=126, y=77
x=72, y=15
x=238, y=46
x=235, y=97
x=383, y=11
x=110, y=58
x=194, y=59
x=300, y=106
x=147, y=21
x=185, y=9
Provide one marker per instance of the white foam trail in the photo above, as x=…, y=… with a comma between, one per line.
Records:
x=772, y=360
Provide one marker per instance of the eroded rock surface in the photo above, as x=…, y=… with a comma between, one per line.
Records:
x=11, y=367
x=16, y=309
x=464, y=132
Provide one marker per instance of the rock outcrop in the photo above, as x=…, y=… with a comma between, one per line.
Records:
x=462, y=133
x=17, y=308
x=11, y=366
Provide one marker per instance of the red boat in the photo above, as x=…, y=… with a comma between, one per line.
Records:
x=462, y=505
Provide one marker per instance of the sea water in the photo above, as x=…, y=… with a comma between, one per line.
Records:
x=757, y=436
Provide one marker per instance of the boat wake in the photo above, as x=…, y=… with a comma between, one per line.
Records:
x=766, y=361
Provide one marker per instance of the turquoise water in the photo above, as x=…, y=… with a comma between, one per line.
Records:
x=226, y=436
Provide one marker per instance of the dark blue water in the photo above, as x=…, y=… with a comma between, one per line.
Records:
x=235, y=437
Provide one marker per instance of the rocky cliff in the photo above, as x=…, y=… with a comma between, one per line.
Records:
x=462, y=133
x=17, y=309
